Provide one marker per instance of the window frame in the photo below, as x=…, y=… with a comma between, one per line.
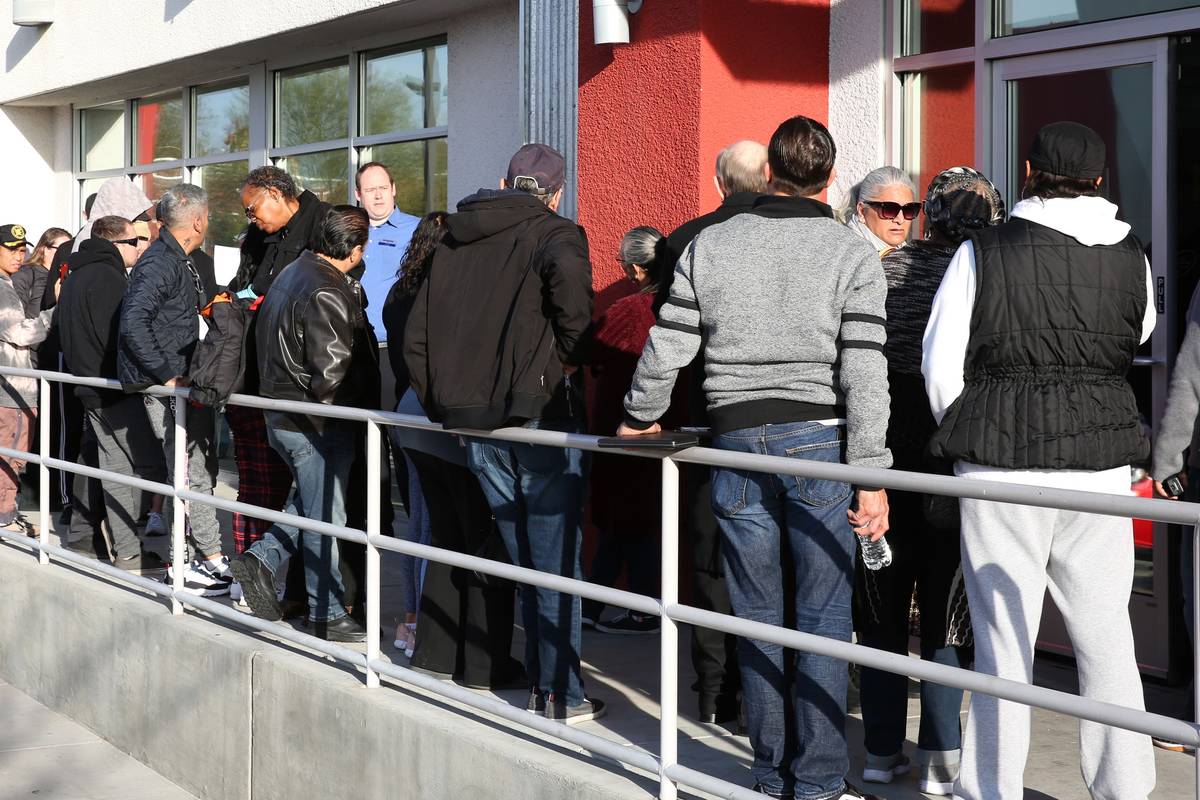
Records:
x=262, y=80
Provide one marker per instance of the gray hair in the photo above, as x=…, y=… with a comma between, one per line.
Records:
x=740, y=167
x=181, y=204
x=639, y=246
x=871, y=186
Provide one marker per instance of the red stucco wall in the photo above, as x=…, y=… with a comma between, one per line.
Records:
x=653, y=114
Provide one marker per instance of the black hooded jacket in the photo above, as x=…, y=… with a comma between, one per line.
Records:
x=507, y=302
x=89, y=316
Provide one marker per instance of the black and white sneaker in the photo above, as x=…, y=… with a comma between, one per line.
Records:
x=201, y=581
x=589, y=709
x=630, y=623
x=852, y=793
x=536, y=703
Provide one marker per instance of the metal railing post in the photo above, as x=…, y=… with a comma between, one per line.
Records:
x=179, y=481
x=1195, y=612
x=373, y=500
x=668, y=747
x=44, y=471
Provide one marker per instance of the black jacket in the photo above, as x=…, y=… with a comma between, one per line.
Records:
x=312, y=337
x=30, y=284
x=507, y=301
x=397, y=308
x=1054, y=330
x=160, y=316
x=264, y=255
x=89, y=316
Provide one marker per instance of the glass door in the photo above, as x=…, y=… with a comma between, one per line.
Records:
x=1123, y=93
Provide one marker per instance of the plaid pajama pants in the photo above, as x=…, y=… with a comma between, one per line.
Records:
x=263, y=478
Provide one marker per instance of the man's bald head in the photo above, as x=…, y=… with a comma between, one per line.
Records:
x=741, y=167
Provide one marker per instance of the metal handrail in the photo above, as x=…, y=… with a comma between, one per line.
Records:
x=667, y=607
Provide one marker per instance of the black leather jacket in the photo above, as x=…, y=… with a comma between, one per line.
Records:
x=312, y=337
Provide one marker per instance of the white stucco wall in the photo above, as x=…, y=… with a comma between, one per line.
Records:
x=857, y=79
x=485, y=99
x=482, y=35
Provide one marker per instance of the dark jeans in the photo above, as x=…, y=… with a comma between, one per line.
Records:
x=466, y=627
x=637, y=553
x=927, y=560
x=320, y=465
x=714, y=654
x=537, y=494
x=795, y=702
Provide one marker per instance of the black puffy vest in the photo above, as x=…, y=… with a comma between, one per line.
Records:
x=1053, y=333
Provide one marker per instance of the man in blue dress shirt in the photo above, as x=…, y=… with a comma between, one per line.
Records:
x=391, y=230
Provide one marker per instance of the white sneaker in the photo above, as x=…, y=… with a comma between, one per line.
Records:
x=155, y=526
x=235, y=594
x=882, y=769
x=201, y=581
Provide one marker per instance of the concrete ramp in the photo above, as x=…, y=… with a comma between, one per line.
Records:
x=228, y=715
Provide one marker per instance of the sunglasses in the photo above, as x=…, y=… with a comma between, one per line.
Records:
x=131, y=242
x=250, y=208
x=893, y=210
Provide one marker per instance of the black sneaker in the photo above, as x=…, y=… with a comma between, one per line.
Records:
x=589, y=709
x=145, y=561
x=536, y=703
x=258, y=586
x=852, y=793
x=342, y=629
x=630, y=623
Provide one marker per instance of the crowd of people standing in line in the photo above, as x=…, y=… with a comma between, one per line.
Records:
x=993, y=346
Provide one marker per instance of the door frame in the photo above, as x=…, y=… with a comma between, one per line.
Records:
x=1149, y=613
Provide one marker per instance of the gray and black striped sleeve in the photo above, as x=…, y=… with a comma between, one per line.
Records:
x=673, y=343
x=863, y=373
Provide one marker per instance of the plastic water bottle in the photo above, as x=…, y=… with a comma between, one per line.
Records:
x=875, y=555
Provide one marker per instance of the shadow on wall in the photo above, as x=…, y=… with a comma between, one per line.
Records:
x=21, y=43
x=173, y=8
x=34, y=125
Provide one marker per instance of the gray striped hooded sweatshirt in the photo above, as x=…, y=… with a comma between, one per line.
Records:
x=789, y=308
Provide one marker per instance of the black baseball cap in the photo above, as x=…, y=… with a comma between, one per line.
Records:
x=12, y=236
x=1068, y=149
x=541, y=163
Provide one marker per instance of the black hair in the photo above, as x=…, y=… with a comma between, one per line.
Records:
x=270, y=177
x=87, y=205
x=370, y=165
x=110, y=228
x=342, y=229
x=419, y=255
x=1049, y=186
x=801, y=156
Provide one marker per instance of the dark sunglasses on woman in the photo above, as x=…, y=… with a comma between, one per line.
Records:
x=892, y=210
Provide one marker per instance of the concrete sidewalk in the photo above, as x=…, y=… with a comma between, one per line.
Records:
x=623, y=671
x=44, y=754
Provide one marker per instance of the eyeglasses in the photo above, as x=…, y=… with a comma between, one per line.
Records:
x=131, y=242
x=892, y=210
x=250, y=208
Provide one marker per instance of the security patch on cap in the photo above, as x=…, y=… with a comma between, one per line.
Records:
x=12, y=235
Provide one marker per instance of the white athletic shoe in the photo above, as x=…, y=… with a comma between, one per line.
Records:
x=201, y=581
x=155, y=526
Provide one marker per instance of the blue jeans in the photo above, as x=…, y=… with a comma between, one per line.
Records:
x=789, y=560
x=320, y=465
x=537, y=495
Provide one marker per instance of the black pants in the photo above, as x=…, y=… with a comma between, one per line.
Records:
x=466, y=627
x=714, y=654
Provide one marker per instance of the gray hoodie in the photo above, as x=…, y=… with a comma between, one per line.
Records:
x=1178, y=428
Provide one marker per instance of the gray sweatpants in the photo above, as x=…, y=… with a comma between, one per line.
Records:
x=204, y=531
x=1010, y=556
x=125, y=445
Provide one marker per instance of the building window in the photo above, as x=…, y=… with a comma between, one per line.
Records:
x=321, y=120
x=1025, y=16
x=939, y=121
x=930, y=26
x=401, y=95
